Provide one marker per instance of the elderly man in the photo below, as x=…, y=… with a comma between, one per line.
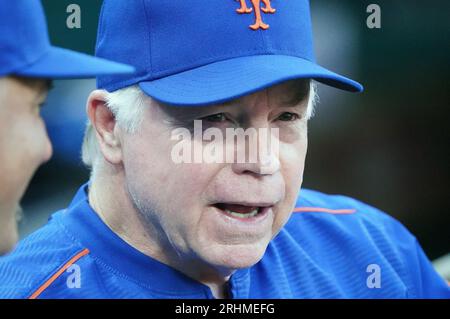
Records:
x=149, y=225
x=27, y=62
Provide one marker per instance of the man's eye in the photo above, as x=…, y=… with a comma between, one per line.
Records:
x=287, y=117
x=215, y=118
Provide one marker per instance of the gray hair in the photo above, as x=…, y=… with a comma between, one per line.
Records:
x=128, y=105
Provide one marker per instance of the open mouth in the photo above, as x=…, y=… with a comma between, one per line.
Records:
x=241, y=211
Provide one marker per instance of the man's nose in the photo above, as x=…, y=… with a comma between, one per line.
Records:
x=261, y=152
x=47, y=149
x=266, y=164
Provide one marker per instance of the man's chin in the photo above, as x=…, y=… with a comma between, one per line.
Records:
x=239, y=256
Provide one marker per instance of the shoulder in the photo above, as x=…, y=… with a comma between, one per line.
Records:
x=38, y=260
x=343, y=221
x=343, y=212
x=347, y=239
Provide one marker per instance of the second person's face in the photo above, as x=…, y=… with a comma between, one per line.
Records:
x=24, y=146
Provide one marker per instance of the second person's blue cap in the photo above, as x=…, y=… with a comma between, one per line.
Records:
x=25, y=49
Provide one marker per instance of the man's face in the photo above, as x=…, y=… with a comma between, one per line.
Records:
x=24, y=145
x=186, y=204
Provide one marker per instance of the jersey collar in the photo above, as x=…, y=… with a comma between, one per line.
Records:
x=126, y=261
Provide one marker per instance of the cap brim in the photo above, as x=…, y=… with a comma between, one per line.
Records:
x=59, y=63
x=226, y=80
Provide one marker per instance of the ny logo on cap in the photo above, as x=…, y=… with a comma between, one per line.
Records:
x=257, y=10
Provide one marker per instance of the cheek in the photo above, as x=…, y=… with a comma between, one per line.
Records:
x=174, y=191
x=292, y=163
x=25, y=148
x=148, y=163
x=36, y=144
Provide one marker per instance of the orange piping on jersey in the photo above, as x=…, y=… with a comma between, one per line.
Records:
x=324, y=210
x=42, y=288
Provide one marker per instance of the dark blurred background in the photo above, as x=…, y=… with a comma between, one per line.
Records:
x=387, y=146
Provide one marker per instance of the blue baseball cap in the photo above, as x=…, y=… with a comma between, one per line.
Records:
x=201, y=52
x=25, y=49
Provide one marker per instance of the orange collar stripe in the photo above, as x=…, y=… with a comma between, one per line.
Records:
x=323, y=210
x=74, y=259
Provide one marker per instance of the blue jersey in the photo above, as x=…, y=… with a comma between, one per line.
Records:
x=332, y=247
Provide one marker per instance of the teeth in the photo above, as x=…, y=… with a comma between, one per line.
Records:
x=248, y=215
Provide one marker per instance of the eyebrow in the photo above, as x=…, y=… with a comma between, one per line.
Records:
x=231, y=102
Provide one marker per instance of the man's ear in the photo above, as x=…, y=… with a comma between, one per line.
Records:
x=106, y=129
